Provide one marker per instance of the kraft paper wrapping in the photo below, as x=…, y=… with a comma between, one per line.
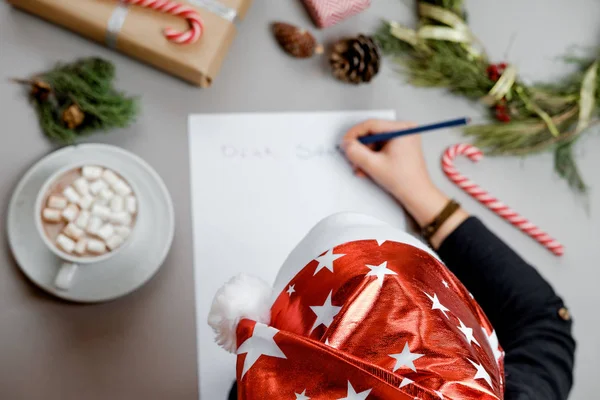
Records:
x=141, y=34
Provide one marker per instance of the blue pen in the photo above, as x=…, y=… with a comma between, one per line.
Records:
x=384, y=137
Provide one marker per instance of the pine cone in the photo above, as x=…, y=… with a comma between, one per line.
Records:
x=295, y=41
x=355, y=60
x=40, y=90
x=73, y=116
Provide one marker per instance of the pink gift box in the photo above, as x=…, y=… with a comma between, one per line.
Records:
x=329, y=12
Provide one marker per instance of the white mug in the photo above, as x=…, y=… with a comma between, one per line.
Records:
x=69, y=262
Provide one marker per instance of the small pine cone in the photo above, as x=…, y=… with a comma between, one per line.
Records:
x=40, y=90
x=73, y=116
x=355, y=60
x=295, y=41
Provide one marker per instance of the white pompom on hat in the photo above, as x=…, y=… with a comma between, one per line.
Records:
x=244, y=296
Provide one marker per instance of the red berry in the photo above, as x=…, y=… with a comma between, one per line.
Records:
x=502, y=66
x=503, y=117
x=500, y=107
x=492, y=72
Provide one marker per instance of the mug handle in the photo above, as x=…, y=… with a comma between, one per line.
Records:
x=64, y=278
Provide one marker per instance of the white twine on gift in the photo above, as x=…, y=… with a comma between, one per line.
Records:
x=115, y=23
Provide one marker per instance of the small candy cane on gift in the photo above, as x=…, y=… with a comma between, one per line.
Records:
x=474, y=154
x=174, y=8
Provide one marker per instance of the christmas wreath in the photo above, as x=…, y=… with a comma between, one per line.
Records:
x=525, y=119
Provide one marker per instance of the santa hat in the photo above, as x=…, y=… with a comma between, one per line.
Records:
x=359, y=311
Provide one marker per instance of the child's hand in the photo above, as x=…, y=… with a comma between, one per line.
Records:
x=398, y=166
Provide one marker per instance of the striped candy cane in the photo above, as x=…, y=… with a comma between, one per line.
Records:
x=174, y=8
x=474, y=154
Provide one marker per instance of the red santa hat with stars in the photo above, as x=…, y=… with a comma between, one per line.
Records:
x=359, y=310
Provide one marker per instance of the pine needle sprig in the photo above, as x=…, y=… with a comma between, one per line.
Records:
x=525, y=119
x=85, y=89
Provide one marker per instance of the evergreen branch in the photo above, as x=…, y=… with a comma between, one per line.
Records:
x=566, y=167
x=532, y=118
x=88, y=84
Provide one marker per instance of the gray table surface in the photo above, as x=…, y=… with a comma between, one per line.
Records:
x=144, y=345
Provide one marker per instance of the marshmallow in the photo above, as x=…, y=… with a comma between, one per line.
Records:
x=122, y=188
x=86, y=202
x=57, y=202
x=117, y=204
x=71, y=194
x=131, y=204
x=100, y=202
x=91, y=172
x=106, y=195
x=51, y=215
x=70, y=213
x=98, y=186
x=123, y=231
x=101, y=211
x=96, y=246
x=114, y=241
x=65, y=243
x=81, y=246
x=74, y=232
x=94, y=225
x=106, y=231
x=83, y=220
x=82, y=186
x=120, y=218
x=110, y=177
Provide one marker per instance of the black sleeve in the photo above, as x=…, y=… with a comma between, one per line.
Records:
x=523, y=308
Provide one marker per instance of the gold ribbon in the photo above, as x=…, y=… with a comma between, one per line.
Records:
x=443, y=33
x=587, y=100
x=442, y=15
x=531, y=106
x=405, y=34
x=456, y=31
x=502, y=86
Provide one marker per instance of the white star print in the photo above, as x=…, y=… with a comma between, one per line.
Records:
x=291, y=290
x=380, y=271
x=445, y=284
x=326, y=261
x=352, y=395
x=302, y=396
x=436, y=304
x=468, y=332
x=493, y=341
x=481, y=373
x=440, y=395
x=471, y=295
x=406, y=359
x=327, y=342
x=405, y=382
x=325, y=313
x=380, y=241
x=261, y=343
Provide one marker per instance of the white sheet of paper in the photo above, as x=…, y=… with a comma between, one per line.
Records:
x=260, y=182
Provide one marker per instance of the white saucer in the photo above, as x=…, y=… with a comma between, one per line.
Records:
x=121, y=274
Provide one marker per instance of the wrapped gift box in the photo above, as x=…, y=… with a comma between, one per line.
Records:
x=138, y=31
x=329, y=12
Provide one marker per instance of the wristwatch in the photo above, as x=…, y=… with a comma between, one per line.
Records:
x=430, y=229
